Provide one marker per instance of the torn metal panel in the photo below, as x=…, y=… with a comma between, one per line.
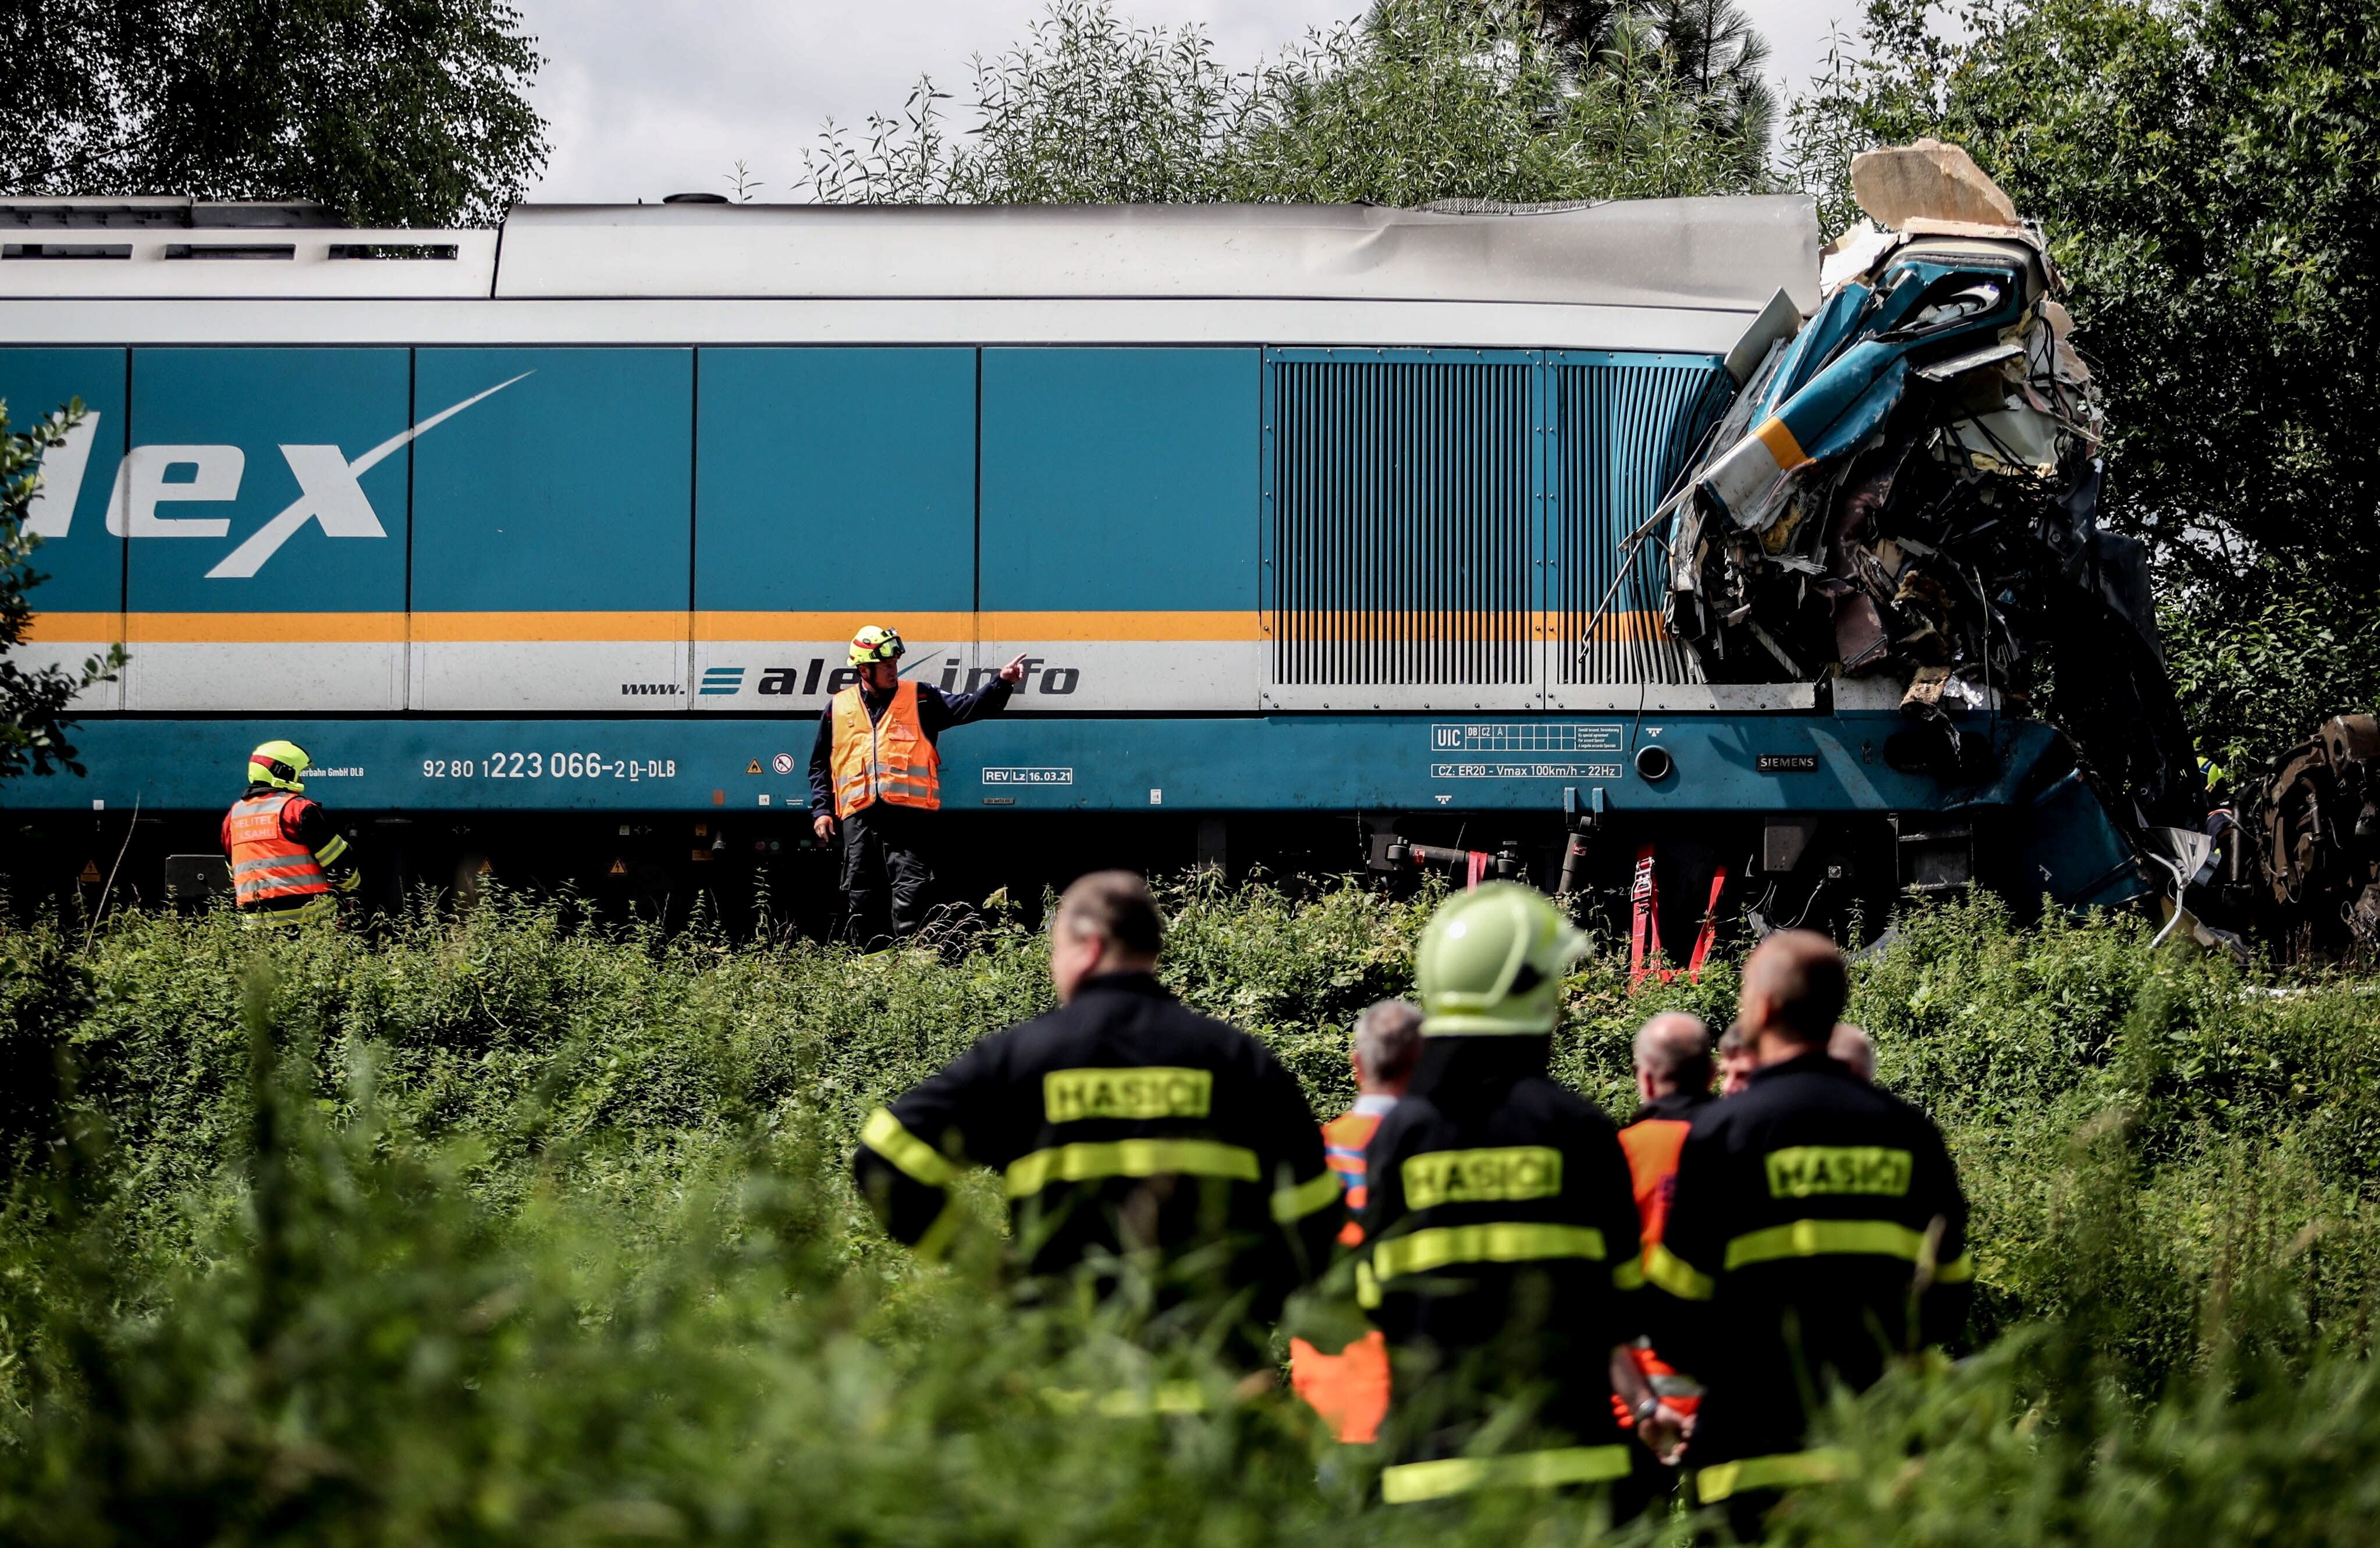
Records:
x=1852, y=254
x=1975, y=360
x=1777, y=322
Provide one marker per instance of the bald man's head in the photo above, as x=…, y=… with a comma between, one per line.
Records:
x=1852, y=1047
x=1794, y=986
x=1674, y=1053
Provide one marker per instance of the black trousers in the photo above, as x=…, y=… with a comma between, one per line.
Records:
x=883, y=872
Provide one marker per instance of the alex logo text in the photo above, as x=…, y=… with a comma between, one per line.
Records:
x=817, y=676
x=153, y=478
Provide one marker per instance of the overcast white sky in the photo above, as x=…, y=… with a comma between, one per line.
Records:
x=645, y=98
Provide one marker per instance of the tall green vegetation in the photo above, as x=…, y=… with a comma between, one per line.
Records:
x=1420, y=100
x=391, y=112
x=2203, y=169
x=496, y=1230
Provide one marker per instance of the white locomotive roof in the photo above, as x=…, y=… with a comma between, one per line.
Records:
x=1729, y=253
x=1719, y=254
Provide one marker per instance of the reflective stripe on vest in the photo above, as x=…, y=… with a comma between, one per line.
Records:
x=266, y=864
x=1095, y=1162
x=889, y=760
x=1343, y=1139
x=1723, y=1480
x=1501, y=1241
x=321, y=907
x=1411, y=1483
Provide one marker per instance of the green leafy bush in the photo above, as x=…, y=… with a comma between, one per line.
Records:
x=490, y=1230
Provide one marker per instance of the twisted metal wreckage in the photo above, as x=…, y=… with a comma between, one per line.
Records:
x=1904, y=497
x=2308, y=871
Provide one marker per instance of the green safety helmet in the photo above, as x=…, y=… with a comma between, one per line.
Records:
x=1491, y=962
x=875, y=643
x=2214, y=775
x=282, y=765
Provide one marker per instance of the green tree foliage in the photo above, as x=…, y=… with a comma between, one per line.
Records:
x=391, y=112
x=1420, y=100
x=1709, y=45
x=2205, y=170
x=1088, y=109
x=33, y=702
x=1430, y=101
x=2259, y=664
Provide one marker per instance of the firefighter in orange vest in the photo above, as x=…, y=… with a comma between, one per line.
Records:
x=289, y=864
x=1350, y=1390
x=875, y=769
x=1673, y=1081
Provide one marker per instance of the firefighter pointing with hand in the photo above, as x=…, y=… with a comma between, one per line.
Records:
x=876, y=770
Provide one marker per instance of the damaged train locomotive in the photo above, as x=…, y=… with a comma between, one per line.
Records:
x=1904, y=495
x=1591, y=542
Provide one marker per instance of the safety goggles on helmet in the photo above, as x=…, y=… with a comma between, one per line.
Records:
x=876, y=644
x=1492, y=962
x=282, y=765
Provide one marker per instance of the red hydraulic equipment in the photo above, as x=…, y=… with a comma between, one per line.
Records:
x=1476, y=864
x=1644, y=928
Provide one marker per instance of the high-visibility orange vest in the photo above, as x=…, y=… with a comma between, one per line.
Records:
x=1653, y=1146
x=1350, y=1389
x=888, y=760
x=266, y=863
x=1343, y=1139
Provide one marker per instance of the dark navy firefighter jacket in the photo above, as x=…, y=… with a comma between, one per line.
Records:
x=1503, y=1267
x=1812, y=1212
x=1121, y=1123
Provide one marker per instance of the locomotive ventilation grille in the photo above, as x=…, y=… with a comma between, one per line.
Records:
x=1621, y=433
x=1458, y=518
x=1403, y=496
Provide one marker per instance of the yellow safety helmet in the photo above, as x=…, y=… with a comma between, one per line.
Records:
x=875, y=643
x=282, y=765
x=1492, y=962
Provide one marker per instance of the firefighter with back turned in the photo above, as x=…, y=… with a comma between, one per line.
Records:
x=1673, y=1082
x=1501, y=1255
x=1125, y=1128
x=876, y=770
x=1350, y=1389
x=289, y=864
x=1809, y=1214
